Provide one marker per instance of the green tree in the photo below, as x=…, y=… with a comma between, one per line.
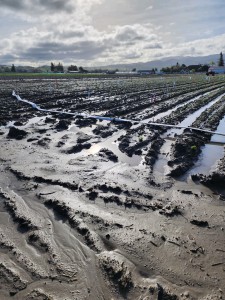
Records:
x=52, y=67
x=221, y=61
x=82, y=70
x=60, y=68
x=13, y=69
x=72, y=68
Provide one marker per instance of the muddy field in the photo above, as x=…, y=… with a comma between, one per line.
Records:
x=94, y=209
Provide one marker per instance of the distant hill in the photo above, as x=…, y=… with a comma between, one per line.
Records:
x=166, y=62
x=159, y=64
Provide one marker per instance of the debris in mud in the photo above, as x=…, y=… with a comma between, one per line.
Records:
x=18, y=123
x=115, y=199
x=187, y=192
x=21, y=176
x=170, y=210
x=24, y=223
x=122, y=125
x=78, y=148
x=84, y=122
x=216, y=179
x=92, y=195
x=104, y=131
x=62, y=125
x=32, y=139
x=185, y=152
x=134, y=141
x=108, y=154
x=41, y=131
x=15, y=133
x=109, y=188
x=163, y=295
x=199, y=223
x=44, y=142
x=11, y=280
x=198, y=249
x=38, y=294
x=50, y=120
x=60, y=144
x=117, y=271
x=35, y=239
x=153, y=151
x=82, y=138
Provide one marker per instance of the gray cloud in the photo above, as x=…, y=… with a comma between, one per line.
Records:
x=5, y=58
x=67, y=34
x=129, y=33
x=133, y=55
x=59, y=51
x=55, y=5
x=156, y=45
x=11, y=4
x=38, y=5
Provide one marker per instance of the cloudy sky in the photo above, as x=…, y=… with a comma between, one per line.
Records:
x=102, y=32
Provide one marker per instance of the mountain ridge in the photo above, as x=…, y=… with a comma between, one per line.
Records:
x=166, y=62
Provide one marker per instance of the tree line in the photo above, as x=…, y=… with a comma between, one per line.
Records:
x=59, y=68
x=193, y=68
x=185, y=69
x=72, y=68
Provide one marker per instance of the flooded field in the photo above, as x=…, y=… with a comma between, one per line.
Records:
x=93, y=209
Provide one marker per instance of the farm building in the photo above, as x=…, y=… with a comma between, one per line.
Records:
x=145, y=72
x=216, y=70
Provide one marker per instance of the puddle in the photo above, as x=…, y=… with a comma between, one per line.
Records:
x=110, y=144
x=220, y=128
x=211, y=153
x=168, y=112
x=161, y=168
x=32, y=121
x=191, y=118
x=207, y=160
x=87, y=130
x=35, y=120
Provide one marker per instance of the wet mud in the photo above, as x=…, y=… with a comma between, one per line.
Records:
x=85, y=213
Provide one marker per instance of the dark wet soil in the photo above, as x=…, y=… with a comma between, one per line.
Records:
x=79, y=221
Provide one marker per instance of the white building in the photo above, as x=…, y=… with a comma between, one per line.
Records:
x=216, y=70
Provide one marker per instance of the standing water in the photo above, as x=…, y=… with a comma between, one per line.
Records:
x=211, y=153
x=191, y=118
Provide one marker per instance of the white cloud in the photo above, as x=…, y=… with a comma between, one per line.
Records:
x=67, y=31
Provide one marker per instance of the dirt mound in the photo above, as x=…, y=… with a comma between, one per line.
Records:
x=117, y=271
x=62, y=125
x=11, y=280
x=15, y=133
x=104, y=131
x=84, y=122
x=108, y=154
x=78, y=148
